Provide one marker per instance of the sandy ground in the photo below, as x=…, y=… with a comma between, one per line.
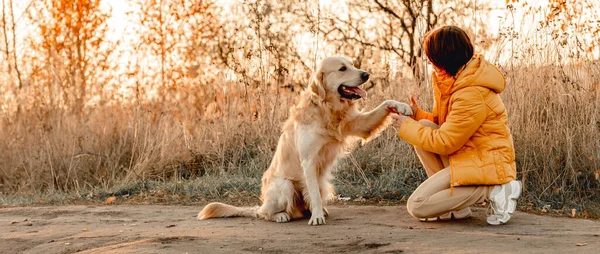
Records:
x=349, y=229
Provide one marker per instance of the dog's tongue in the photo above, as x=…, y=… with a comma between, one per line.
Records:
x=356, y=90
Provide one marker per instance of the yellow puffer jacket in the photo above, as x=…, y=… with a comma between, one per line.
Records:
x=473, y=131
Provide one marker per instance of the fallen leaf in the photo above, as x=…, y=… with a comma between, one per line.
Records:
x=111, y=200
x=29, y=224
x=14, y=222
x=26, y=220
x=573, y=212
x=581, y=244
x=172, y=225
x=431, y=228
x=546, y=208
x=85, y=230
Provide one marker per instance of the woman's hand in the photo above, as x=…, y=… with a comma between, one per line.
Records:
x=413, y=104
x=398, y=120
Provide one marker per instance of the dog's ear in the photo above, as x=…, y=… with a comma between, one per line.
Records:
x=317, y=85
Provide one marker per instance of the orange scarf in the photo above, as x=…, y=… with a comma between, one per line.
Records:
x=442, y=85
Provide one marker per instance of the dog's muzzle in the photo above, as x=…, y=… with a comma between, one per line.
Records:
x=354, y=92
x=351, y=93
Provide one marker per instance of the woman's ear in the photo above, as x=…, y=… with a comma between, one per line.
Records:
x=317, y=85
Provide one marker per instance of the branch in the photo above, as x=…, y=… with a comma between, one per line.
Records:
x=399, y=51
x=14, y=42
x=394, y=14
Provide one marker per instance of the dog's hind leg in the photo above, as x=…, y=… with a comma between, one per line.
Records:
x=278, y=199
x=281, y=217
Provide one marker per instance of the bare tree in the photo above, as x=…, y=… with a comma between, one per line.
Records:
x=574, y=24
x=174, y=34
x=268, y=42
x=396, y=27
x=73, y=48
x=10, y=42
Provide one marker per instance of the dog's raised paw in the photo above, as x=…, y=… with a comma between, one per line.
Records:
x=400, y=107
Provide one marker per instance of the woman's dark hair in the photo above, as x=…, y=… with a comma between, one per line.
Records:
x=449, y=48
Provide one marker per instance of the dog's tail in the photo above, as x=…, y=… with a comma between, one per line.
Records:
x=220, y=210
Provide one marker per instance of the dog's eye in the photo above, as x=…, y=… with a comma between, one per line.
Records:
x=343, y=68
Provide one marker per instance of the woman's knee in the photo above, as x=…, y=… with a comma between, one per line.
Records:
x=429, y=124
x=414, y=207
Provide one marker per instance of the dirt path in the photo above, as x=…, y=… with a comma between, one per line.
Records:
x=349, y=229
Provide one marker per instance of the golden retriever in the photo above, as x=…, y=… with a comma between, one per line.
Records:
x=321, y=127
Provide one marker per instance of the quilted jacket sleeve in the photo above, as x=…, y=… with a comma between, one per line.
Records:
x=468, y=112
x=422, y=114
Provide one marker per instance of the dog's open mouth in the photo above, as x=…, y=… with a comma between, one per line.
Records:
x=351, y=93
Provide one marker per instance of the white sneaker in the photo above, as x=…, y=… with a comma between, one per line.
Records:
x=457, y=215
x=503, y=202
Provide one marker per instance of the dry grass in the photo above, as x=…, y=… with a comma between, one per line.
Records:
x=208, y=138
x=555, y=120
x=554, y=116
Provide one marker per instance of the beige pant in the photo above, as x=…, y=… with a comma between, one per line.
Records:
x=432, y=198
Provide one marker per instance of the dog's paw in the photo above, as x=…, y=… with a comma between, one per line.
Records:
x=399, y=107
x=317, y=219
x=281, y=217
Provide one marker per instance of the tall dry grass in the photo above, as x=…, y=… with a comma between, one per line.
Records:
x=220, y=137
x=553, y=110
x=555, y=120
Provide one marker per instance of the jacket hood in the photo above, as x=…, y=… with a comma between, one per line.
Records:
x=479, y=72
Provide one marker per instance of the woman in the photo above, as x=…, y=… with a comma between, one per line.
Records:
x=470, y=157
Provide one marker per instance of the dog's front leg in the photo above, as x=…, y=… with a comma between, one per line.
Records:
x=314, y=193
x=365, y=123
x=309, y=144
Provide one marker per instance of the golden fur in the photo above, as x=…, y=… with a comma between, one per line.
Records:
x=321, y=128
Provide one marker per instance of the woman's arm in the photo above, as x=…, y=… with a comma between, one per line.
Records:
x=422, y=114
x=467, y=114
x=418, y=113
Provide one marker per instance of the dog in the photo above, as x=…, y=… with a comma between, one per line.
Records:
x=321, y=128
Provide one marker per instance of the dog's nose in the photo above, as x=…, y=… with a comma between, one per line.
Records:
x=364, y=76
